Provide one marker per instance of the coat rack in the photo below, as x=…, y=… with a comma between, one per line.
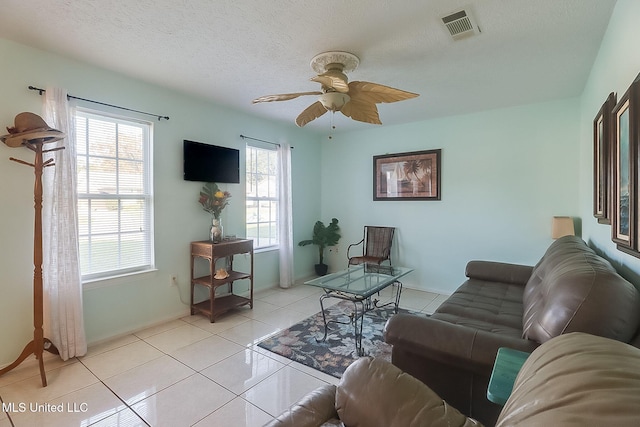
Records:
x=39, y=343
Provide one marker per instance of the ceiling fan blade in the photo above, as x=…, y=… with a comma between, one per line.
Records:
x=310, y=113
x=361, y=111
x=376, y=93
x=333, y=79
x=283, y=96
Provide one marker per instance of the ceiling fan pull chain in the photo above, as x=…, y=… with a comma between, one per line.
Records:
x=333, y=113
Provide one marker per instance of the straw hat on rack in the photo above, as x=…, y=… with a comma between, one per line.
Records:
x=29, y=127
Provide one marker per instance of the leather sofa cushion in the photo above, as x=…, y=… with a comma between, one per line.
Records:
x=576, y=379
x=489, y=306
x=573, y=289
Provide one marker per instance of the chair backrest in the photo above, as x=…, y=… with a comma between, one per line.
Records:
x=377, y=241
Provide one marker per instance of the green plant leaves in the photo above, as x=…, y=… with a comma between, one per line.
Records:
x=323, y=236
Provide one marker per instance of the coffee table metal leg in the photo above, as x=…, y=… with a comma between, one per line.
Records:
x=357, y=317
x=360, y=318
x=398, y=293
x=324, y=319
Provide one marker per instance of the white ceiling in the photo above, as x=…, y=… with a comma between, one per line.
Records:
x=232, y=51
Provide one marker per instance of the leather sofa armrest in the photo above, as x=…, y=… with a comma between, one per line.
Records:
x=375, y=393
x=455, y=345
x=314, y=409
x=499, y=272
x=576, y=379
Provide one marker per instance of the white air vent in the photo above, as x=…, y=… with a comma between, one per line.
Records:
x=460, y=25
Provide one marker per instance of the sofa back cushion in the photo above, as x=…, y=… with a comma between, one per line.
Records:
x=579, y=380
x=572, y=289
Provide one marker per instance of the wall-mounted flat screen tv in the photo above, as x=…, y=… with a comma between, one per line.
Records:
x=210, y=163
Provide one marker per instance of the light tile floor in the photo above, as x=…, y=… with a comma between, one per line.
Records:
x=186, y=372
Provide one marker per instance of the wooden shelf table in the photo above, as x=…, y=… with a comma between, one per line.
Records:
x=212, y=252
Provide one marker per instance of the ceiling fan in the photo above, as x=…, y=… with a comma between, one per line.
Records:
x=356, y=100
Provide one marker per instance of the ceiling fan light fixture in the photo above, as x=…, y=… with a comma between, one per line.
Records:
x=334, y=101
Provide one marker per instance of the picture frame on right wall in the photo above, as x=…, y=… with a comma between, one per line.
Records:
x=625, y=120
x=602, y=161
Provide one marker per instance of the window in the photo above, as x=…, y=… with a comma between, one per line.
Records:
x=262, y=196
x=114, y=195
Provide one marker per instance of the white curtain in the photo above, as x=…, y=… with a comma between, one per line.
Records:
x=285, y=217
x=61, y=267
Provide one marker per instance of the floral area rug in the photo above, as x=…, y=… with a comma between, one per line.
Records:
x=338, y=351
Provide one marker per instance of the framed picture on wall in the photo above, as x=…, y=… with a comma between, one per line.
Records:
x=407, y=176
x=625, y=169
x=602, y=156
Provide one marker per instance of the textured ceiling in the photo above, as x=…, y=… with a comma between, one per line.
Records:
x=232, y=51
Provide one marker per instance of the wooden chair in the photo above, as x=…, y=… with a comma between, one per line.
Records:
x=376, y=246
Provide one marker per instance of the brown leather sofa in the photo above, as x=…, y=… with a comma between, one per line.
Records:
x=571, y=289
x=574, y=379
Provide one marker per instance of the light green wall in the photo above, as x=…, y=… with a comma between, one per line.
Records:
x=617, y=65
x=127, y=304
x=505, y=173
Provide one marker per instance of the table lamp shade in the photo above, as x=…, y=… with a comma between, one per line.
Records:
x=562, y=226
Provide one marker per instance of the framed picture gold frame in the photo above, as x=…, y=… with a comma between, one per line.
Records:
x=602, y=161
x=413, y=175
x=625, y=120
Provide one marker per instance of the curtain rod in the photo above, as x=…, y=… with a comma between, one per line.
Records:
x=261, y=140
x=103, y=103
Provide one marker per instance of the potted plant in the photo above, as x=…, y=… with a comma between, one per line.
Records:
x=323, y=236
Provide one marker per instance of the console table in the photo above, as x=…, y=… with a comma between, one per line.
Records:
x=211, y=252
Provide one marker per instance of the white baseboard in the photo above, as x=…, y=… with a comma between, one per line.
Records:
x=432, y=290
x=165, y=319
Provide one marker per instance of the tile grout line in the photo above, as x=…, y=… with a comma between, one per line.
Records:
x=199, y=372
x=195, y=372
x=7, y=414
x=115, y=394
x=250, y=347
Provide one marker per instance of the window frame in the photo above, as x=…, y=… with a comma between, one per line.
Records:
x=258, y=198
x=147, y=196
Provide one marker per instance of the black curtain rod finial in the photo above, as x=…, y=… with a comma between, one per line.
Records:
x=40, y=91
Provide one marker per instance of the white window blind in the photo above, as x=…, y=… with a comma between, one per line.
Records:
x=115, y=204
x=262, y=195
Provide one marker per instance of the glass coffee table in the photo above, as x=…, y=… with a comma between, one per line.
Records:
x=358, y=284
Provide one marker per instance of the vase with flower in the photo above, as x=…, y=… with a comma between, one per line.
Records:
x=214, y=200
